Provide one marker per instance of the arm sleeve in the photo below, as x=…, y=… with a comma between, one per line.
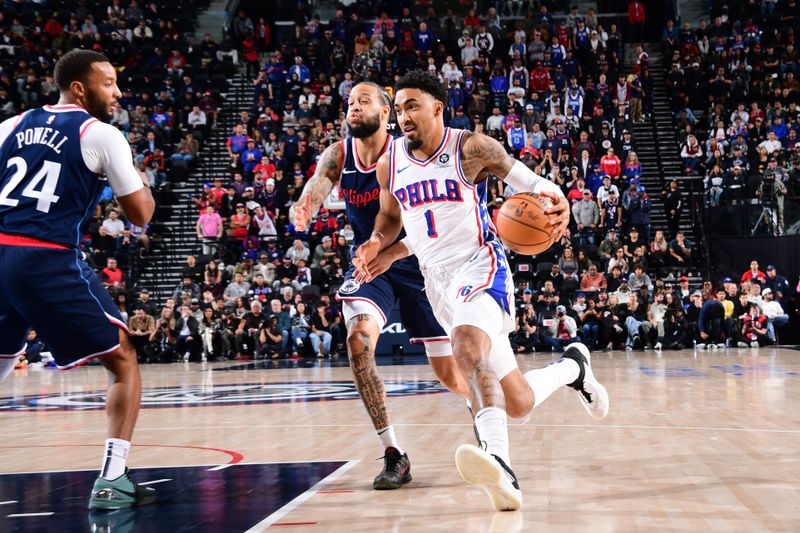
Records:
x=7, y=127
x=523, y=179
x=106, y=151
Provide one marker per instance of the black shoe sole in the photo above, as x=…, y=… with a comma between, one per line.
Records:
x=386, y=484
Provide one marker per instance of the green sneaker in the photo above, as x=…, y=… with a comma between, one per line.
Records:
x=119, y=493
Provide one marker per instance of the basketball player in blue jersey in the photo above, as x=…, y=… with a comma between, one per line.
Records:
x=351, y=164
x=429, y=187
x=54, y=163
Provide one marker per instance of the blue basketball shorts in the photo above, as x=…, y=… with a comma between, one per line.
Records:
x=377, y=298
x=56, y=293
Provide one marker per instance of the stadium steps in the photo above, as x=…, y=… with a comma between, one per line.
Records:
x=180, y=238
x=656, y=146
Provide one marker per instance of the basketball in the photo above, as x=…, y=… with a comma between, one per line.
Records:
x=523, y=225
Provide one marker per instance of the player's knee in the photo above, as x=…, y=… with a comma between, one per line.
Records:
x=519, y=406
x=470, y=346
x=358, y=342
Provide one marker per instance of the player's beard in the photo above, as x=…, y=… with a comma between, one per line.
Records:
x=366, y=128
x=416, y=144
x=97, y=108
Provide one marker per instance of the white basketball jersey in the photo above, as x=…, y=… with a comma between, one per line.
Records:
x=444, y=215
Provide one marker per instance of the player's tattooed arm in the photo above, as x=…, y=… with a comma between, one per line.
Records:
x=326, y=175
x=365, y=372
x=482, y=156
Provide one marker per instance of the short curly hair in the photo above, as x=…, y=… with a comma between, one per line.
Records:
x=420, y=79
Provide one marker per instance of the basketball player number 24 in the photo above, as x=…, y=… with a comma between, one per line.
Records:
x=44, y=197
x=432, y=233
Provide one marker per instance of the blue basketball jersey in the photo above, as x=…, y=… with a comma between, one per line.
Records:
x=46, y=190
x=362, y=197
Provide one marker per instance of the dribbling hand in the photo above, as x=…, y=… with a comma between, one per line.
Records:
x=364, y=259
x=302, y=214
x=558, y=212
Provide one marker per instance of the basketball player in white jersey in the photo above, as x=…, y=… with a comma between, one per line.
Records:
x=350, y=163
x=429, y=184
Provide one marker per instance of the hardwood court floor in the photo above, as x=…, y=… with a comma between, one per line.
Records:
x=703, y=441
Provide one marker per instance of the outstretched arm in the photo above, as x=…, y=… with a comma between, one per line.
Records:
x=483, y=156
x=329, y=167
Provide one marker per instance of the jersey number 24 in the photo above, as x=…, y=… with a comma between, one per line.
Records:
x=45, y=197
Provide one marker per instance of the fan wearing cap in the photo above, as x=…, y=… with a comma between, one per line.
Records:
x=778, y=283
x=774, y=312
x=562, y=330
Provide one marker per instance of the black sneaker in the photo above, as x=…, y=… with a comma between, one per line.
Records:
x=593, y=395
x=396, y=471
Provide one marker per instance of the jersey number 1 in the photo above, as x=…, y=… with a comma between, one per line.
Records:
x=432, y=233
x=45, y=197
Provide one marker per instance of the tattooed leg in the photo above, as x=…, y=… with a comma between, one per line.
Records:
x=471, y=348
x=362, y=337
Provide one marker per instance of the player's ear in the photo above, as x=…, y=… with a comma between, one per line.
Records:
x=78, y=88
x=438, y=108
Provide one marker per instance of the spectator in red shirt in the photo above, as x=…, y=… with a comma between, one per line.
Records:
x=472, y=20
x=540, y=78
x=266, y=167
x=636, y=18
x=176, y=63
x=611, y=164
x=754, y=328
x=754, y=275
x=112, y=276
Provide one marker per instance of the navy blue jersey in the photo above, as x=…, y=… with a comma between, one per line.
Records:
x=46, y=190
x=361, y=192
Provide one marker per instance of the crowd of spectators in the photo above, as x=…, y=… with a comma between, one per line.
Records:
x=632, y=311
x=552, y=89
x=550, y=86
x=735, y=94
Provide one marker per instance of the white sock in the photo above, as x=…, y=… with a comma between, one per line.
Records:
x=389, y=439
x=115, y=458
x=545, y=381
x=492, y=424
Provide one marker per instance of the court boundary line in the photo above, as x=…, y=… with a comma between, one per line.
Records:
x=302, y=498
x=307, y=461
x=465, y=424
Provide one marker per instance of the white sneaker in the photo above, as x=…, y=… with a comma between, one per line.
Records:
x=591, y=393
x=657, y=346
x=713, y=346
x=722, y=346
x=700, y=346
x=754, y=344
x=489, y=472
x=741, y=344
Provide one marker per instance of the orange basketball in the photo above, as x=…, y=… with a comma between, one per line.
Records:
x=523, y=225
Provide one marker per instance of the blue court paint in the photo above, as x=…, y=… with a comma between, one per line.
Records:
x=220, y=395
x=671, y=372
x=195, y=499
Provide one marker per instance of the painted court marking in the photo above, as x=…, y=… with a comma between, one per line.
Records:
x=294, y=504
x=290, y=426
x=155, y=481
x=8, y=502
x=23, y=515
